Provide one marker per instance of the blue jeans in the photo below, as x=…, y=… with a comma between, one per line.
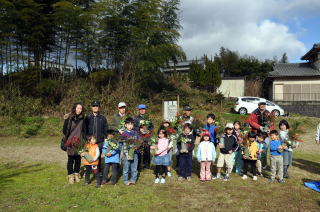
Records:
x=185, y=166
x=237, y=157
x=130, y=166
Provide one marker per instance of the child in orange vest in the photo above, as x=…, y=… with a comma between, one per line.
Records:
x=91, y=165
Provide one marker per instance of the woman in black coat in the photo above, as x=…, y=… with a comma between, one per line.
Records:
x=74, y=129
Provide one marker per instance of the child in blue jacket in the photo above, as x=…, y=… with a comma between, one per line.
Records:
x=211, y=127
x=111, y=152
x=276, y=149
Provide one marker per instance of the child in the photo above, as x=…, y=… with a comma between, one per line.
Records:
x=185, y=146
x=228, y=145
x=172, y=136
x=111, y=150
x=276, y=156
x=92, y=165
x=250, y=156
x=161, y=159
x=287, y=153
x=206, y=154
x=211, y=127
x=262, y=153
x=130, y=157
x=237, y=156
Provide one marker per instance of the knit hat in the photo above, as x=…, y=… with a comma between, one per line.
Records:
x=205, y=133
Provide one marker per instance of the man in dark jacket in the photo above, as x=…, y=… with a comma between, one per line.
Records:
x=142, y=120
x=97, y=125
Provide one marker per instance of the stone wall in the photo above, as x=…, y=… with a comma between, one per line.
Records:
x=307, y=108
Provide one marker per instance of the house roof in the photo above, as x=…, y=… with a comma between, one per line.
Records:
x=315, y=49
x=294, y=70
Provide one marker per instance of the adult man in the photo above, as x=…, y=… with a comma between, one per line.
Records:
x=258, y=119
x=186, y=116
x=142, y=121
x=97, y=125
x=118, y=117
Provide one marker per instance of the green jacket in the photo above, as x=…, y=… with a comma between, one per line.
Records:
x=115, y=121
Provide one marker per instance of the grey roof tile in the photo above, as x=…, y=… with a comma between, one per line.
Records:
x=293, y=69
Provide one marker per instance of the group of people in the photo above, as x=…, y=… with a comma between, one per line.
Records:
x=128, y=141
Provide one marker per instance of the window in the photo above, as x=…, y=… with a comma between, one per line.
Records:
x=270, y=103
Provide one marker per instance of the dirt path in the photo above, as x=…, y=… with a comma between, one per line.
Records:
x=25, y=151
x=34, y=153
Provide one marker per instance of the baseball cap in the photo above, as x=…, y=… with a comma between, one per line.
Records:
x=122, y=104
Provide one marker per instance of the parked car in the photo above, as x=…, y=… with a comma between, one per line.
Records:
x=247, y=104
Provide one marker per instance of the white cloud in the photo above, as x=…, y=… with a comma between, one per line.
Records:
x=248, y=26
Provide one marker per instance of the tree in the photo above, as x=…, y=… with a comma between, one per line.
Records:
x=284, y=58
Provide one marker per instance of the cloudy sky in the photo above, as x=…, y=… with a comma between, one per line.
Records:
x=262, y=28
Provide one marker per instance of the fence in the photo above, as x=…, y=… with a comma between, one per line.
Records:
x=296, y=97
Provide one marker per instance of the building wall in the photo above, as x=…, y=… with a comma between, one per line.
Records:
x=232, y=87
x=296, y=89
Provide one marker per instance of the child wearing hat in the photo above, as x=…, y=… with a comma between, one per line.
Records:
x=228, y=145
x=206, y=154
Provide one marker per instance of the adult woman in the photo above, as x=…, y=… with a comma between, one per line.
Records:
x=74, y=130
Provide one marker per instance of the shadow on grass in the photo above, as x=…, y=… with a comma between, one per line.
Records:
x=12, y=170
x=307, y=165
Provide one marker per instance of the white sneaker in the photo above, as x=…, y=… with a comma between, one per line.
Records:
x=255, y=178
x=163, y=181
x=217, y=177
x=244, y=177
x=157, y=180
x=169, y=174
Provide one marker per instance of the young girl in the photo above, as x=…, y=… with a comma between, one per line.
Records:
x=172, y=136
x=287, y=153
x=161, y=159
x=92, y=165
x=237, y=156
x=206, y=154
x=185, y=146
x=249, y=155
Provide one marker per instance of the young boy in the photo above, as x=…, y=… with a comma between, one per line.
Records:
x=211, y=127
x=228, y=144
x=130, y=163
x=262, y=156
x=111, y=151
x=276, y=156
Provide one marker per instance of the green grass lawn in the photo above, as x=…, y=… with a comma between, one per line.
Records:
x=33, y=178
x=32, y=185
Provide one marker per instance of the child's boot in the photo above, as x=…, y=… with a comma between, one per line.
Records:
x=87, y=179
x=71, y=178
x=77, y=177
x=285, y=172
x=98, y=180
